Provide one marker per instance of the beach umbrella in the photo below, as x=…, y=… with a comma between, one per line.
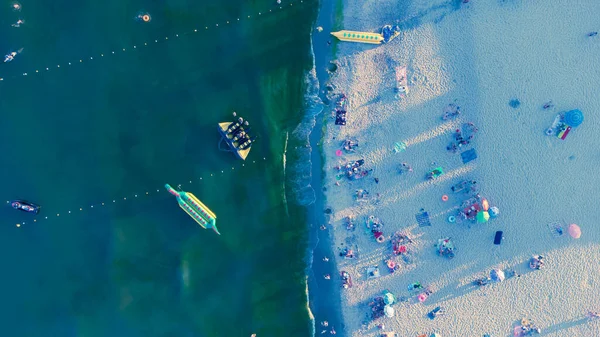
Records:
x=482, y=216
x=485, y=205
x=435, y=335
x=338, y=152
x=388, y=298
x=388, y=311
x=574, y=231
x=574, y=118
x=497, y=275
x=494, y=211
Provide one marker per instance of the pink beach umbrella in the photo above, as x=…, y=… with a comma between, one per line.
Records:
x=574, y=231
x=338, y=153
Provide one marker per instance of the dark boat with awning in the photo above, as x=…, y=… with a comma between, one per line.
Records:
x=236, y=136
x=25, y=206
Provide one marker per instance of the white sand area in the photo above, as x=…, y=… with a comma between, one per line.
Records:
x=482, y=54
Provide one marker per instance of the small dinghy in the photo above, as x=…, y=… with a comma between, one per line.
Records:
x=25, y=206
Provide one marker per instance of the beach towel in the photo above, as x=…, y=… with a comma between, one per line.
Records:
x=423, y=219
x=498, y=238
x=468, y=156
x=399, y=147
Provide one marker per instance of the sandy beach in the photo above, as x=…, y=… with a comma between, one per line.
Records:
x=501, y=62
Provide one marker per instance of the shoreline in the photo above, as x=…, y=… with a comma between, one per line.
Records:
x=324, y=296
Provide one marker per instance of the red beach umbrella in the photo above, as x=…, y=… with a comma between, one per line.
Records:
x=574, y=231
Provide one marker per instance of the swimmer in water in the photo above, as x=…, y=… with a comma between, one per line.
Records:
x=145, y=17
x=18, y=23
x=16, y=6
x=10, y=57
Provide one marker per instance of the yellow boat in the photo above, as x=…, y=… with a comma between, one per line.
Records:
x=361, y=37
x=235, y=134
x=195, y=208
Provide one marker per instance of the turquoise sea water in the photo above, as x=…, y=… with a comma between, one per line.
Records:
x=125, y=124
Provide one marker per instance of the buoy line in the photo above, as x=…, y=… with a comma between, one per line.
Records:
x=47, y=215
x=145, y=18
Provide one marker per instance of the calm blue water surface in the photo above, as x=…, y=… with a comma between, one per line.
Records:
x=128, y=123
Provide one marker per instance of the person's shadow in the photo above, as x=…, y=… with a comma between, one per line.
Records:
x=564, y=325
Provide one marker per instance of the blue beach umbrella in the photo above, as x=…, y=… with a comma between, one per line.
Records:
x=574, y=118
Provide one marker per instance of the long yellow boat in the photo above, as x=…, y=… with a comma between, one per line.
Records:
x=362, y=37
x=195, y=208
x=388, y=33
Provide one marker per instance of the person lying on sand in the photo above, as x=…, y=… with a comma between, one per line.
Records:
x=593, y=314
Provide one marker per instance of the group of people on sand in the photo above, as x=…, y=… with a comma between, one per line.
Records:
x=451, y=111
x=353, y=169
x=537, y=262
x=462, y=138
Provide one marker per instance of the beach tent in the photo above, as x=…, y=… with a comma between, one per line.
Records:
x=435, y=335
x=482, y=216
x=388, y=311
x=574, y=118
x=497, y=275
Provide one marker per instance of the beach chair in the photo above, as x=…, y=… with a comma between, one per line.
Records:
x=556, y=229
x=435, y=312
